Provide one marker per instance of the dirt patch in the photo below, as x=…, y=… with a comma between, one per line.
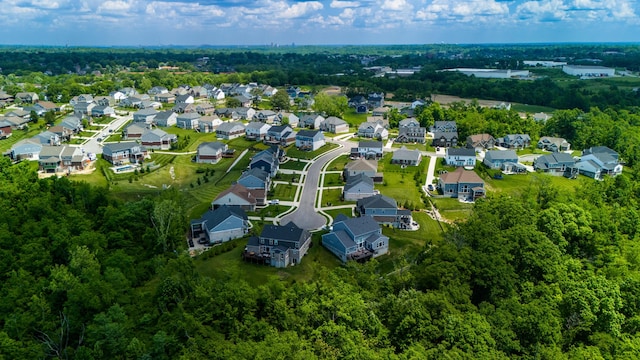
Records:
x=448, y=99
x=332, y=90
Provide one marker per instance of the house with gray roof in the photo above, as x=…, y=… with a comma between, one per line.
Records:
x=293, y=119
x=124, y=152
x=461, y=183
x=280, y=135
x=188, y=120
x=55, y=159
x=230, y=130
x=48, y=138
x=373, y=130
x=444, y=127
x=480, y=142
x=83, y=108
x=26, y=149
x=410, y=131
x=256, y=130
x=134, y=131
x=514, y=141
x=73, y=123
x=210, y=152
x=145, y=115
x=280, y=246
x=166, y=118
x=461, y=157
x=598, y=161
x=209, y=123
x=158, y=139
x=102, y=110
x=205, y=109
x=404, y=156
x=558, y=163
x=16, y=122
x=358, y=187
x=166, y=98
x=220, y=225
x=311, y=121
x=384, y=210
x=362, y=166
x=267, y=160
x=367, y=149
x=265, y=116
x=553, y=144
x=358, y=239
x=255, y=178
x=334, y=125
x=310, y=140
x=495, y=159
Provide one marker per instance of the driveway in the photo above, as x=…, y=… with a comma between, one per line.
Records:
x=93, y=145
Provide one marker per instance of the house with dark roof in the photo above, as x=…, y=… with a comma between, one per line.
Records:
x=495, y=159
x=158, y=139
x=445, y=139
x=334, y=125
x=311, y=121
x=256, y=130
x=265, y=116
x=166, y=98
x=267, y=160
x=220, y=225
x=444, y=127
x=410, y=131
x=205, y=109
x=73, y=123
x=598, y=161
x=238, y=195
x=375, y=100
x=255, y=179
x=558, y=163
x=280, y=246
x=553, y=144
x=461, y=183
x=480, y=142
x=145, y=115
x=362, y=166
x=210, y=152
x=209, y=124
x=404, y=156
x=358, y=238
x=134, y=131
x=514, y=141
x=103, y=110
x=166, y=118
x=461, y=157
x=310, y=140
x=55, y=159
x=367, y=149
x=384, y=210
x=83, y=108
x=358, y=187
x=230, y=130
x=280, y=135
x=124, y=152
x=373, y=130
x=188, y=120
x=48, y=138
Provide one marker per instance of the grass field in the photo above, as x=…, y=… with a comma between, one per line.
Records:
x=410, y=146
x=17, y=135
x=338, y=163
x=284, y=192
x=333, y=180
x=293, y=152
x=402, y=188
x=335, y=212
x=354, y=119
x=333, y=197
x=293, y=165
x=452, y=209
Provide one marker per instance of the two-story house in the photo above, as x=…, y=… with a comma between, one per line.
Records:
x=410, y=131
x=358, y=187
x=280, y=246
x=367, y=149
x=124, y=152
x=310, y=140
x=461, y=157
x=210, y=152
x=280, y=135
x=480, y=142
x=558, y=163
x=553, y=144
x=356, y=239
x=406, y=157
x=256, y=130
x=334, y=125
x=461, y=183
x=230, y=130
x=158, y=139
x=384, y=210
x=514, y=141
x=373, y=130
x=220, y=225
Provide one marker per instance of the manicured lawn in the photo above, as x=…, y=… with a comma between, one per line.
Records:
x=452, y=209
x=348, y=212
x=402, y=188
x=284, y=192
x=354, y=119
x=338, y=163
x=410, y=146
x=531, y=150
x=333, y=180
x=114, y=138
x=293, y=165
x=269, y=211
x=332, y=196
x=287, y=177
x=195, y=138
x=102, y=120
x=293, y=152
x=17, y=135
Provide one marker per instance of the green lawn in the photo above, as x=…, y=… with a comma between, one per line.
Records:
x=284, y=192
x=287, y=177
x=410, y=146
x=354, y=119
x=293, y=165
x=195, y=138
x=269, y=211
x=115, y=137
x=452, y=209
x=102, y=120
x=333, y=196
x=531, y=150
x=402, y=188
x=17, y=135
x=338, y=163
x=335, y=212
x=293, y=152
x=333, y=180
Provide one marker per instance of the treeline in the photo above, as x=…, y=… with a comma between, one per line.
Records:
x=543, y=273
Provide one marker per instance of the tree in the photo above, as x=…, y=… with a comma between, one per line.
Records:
x=280, y=100
x=233, y=102
x=33, y=116
x=330, y=105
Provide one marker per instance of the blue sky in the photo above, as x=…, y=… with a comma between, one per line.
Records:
x=244, y=22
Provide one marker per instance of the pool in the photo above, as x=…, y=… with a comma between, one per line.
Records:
x=124, y=168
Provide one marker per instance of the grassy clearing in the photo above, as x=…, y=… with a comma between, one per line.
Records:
x=334, y=197
x=452, y=209
x=333, y=180
x=293, y=165
x=410, y=146
x=354, y=119
x=338, y=163
x=269, y=211
x=287, y=177
x=284, y=192
x=293, y=152
x=402, y=188
x=335, y=212
x=17, y=135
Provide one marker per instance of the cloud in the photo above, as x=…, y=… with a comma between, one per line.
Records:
x=549, y=10
x=338, y=4
x=114, y=6
x=395, y=5
x=301, y=9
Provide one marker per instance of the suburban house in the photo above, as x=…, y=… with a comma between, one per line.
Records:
x=158, y=139
x=27, y=149
x=16, y=121
x=480, y=142
x=445, y=139
x=558, y=163
x=205, y=109
x=356, y=101
x=404, y=156
x=373, y=130
x=375, y=100
x=292, y=119
x=73, y=123
x=256, y=130
x=384, y=210
x=311, y=121
x=267, y=160
x=48, y=138
x=131, y=101
x=210, y=152
x=134, y=131
x=18, y=113
x=124, y=152
x=42, y=107
x=184, y=108
x=220, y=225
x=598, y=161
x=461, y=157
x=145, y=115
x=242, y=113
x=83, y=108
x=462, y=183
x=367, y=150
x=209, y=124
x=553, y=144
x=166, y=118
x=357, y=238
x=156, y=90
x=358, y=187
x=444, y=127
x=184, y=99
x=255, y=179
x=334, y=125
x=238, y=195
x=244, y=100
x=166, y=98
x=230, y=130
x=103, y=100
x=102, y=110
x=27, y=97
x=5, y=129
x=409, y=130
x=280, y=135
x=362, y=166
x=53, y=159
x=265, y=116
x=310, y=140
x=514, y=141
x=279, y=246
x=380, y=111
x=495, y=159
x=188, y=120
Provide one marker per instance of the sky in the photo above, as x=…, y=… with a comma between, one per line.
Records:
x=327, y=22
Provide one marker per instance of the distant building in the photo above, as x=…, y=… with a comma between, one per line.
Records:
x=588, y=70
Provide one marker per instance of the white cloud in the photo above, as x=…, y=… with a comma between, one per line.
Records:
x=44, y=4
x=554, y=10
x=338, y=4
x=300, y=9
x=395, y=5
x=114, y=6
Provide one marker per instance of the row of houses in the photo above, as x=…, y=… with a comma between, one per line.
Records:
x=595, y=162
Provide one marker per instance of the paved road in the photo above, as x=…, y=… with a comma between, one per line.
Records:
x=93, y=145
x=306, y=215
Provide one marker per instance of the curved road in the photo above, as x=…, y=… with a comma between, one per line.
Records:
x=305, y=216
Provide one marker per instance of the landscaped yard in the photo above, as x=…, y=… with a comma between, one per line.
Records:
x=293, y=152
x=17, y=135
x=348, y=212
x=410, y=146
x=333, y=197
x=452, y=209
x=354, y=119
x=294, y=165
x=333, y=180
x=402, y=188
x=338, y=163
x=284, y=192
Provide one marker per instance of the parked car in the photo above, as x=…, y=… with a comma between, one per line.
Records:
x=274, y=202
x=430, y=187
